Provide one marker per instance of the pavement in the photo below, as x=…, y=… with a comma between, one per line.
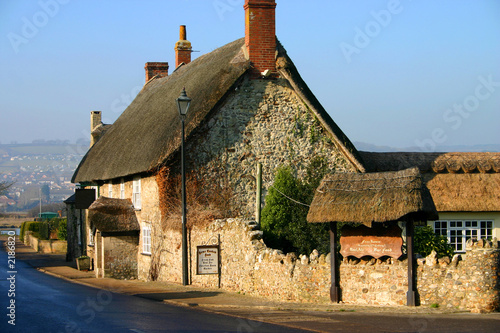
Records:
x=292, y=314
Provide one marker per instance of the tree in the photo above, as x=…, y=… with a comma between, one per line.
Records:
x=284, y=217
x=4, y=186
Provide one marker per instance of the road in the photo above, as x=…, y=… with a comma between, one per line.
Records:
x=44, y=303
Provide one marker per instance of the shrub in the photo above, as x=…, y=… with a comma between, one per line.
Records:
x=23, y=228
x=284, y=216
x=62, y=232
x=426, y=241
x=40, y=229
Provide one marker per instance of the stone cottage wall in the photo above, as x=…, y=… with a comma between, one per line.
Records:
x=249, y=266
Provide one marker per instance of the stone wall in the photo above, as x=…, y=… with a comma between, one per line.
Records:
x=374, y=281
x=45, y=246
x=249, y=266
x=470, y=281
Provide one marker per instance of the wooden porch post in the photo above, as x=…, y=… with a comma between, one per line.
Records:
x=334, y=288
x=410, y=295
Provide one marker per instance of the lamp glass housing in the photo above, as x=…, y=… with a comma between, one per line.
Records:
x=183, y=103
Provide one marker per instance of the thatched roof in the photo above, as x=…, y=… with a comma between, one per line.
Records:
x=372, y=197
x=148, y=131
x=469, y=192
x=113, y=215
x=457, y=181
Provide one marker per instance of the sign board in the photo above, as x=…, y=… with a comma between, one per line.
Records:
x=207, y=259
x=376, y=241
x=84, y=198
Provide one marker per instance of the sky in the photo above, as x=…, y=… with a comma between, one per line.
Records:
x=396, y=73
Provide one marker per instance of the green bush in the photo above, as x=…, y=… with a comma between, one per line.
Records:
x=426, y=241
x=40, y=229
x=62, y=232
x=284, y=217
x=43, y=230
x=23, y=228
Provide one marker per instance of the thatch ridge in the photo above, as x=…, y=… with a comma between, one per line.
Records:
x=433, y=162
x=372, y=197
x=113, y=215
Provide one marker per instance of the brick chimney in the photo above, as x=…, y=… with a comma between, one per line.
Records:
x=260, y=36
x=182, y=48
x=156, y=68
x=95, y=121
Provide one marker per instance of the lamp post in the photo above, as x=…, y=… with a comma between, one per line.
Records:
x=183, y=105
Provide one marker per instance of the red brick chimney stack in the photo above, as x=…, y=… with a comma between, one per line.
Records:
x=156, y=68
x=182, y=48
x=260, y=35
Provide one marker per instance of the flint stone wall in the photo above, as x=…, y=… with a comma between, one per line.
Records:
x=470, y=281
x=250, y=267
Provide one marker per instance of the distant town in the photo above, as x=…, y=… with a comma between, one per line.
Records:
x=40, y=172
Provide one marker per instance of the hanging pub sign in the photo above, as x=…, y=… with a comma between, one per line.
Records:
x=207, y=259
x=376, y=241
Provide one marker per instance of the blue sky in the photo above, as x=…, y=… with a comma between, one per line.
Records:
x=396, y=73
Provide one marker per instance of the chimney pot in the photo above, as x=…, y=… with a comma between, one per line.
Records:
x=183, y=48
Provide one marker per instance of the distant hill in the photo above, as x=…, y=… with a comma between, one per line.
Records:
x=363, y=146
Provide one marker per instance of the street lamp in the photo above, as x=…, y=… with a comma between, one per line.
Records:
x=183, y=105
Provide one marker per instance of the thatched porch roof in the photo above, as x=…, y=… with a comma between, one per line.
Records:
x=372, y=197
x=113, y=215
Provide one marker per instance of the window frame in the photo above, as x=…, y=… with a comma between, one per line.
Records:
x=136, y=193
x=122, y=189
x=458, y=232
x=146, y=239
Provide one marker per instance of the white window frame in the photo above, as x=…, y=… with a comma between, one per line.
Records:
x=459, y=232
x=122, y=189
x=146, y=239
x=91, y=237
x=136, y=192
x=110, y=190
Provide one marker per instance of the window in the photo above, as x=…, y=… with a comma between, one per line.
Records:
x=146, y=239
x=122, y=189
x=91, y=237
x=136, y=193
x=110, y=190
x=459, y=232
